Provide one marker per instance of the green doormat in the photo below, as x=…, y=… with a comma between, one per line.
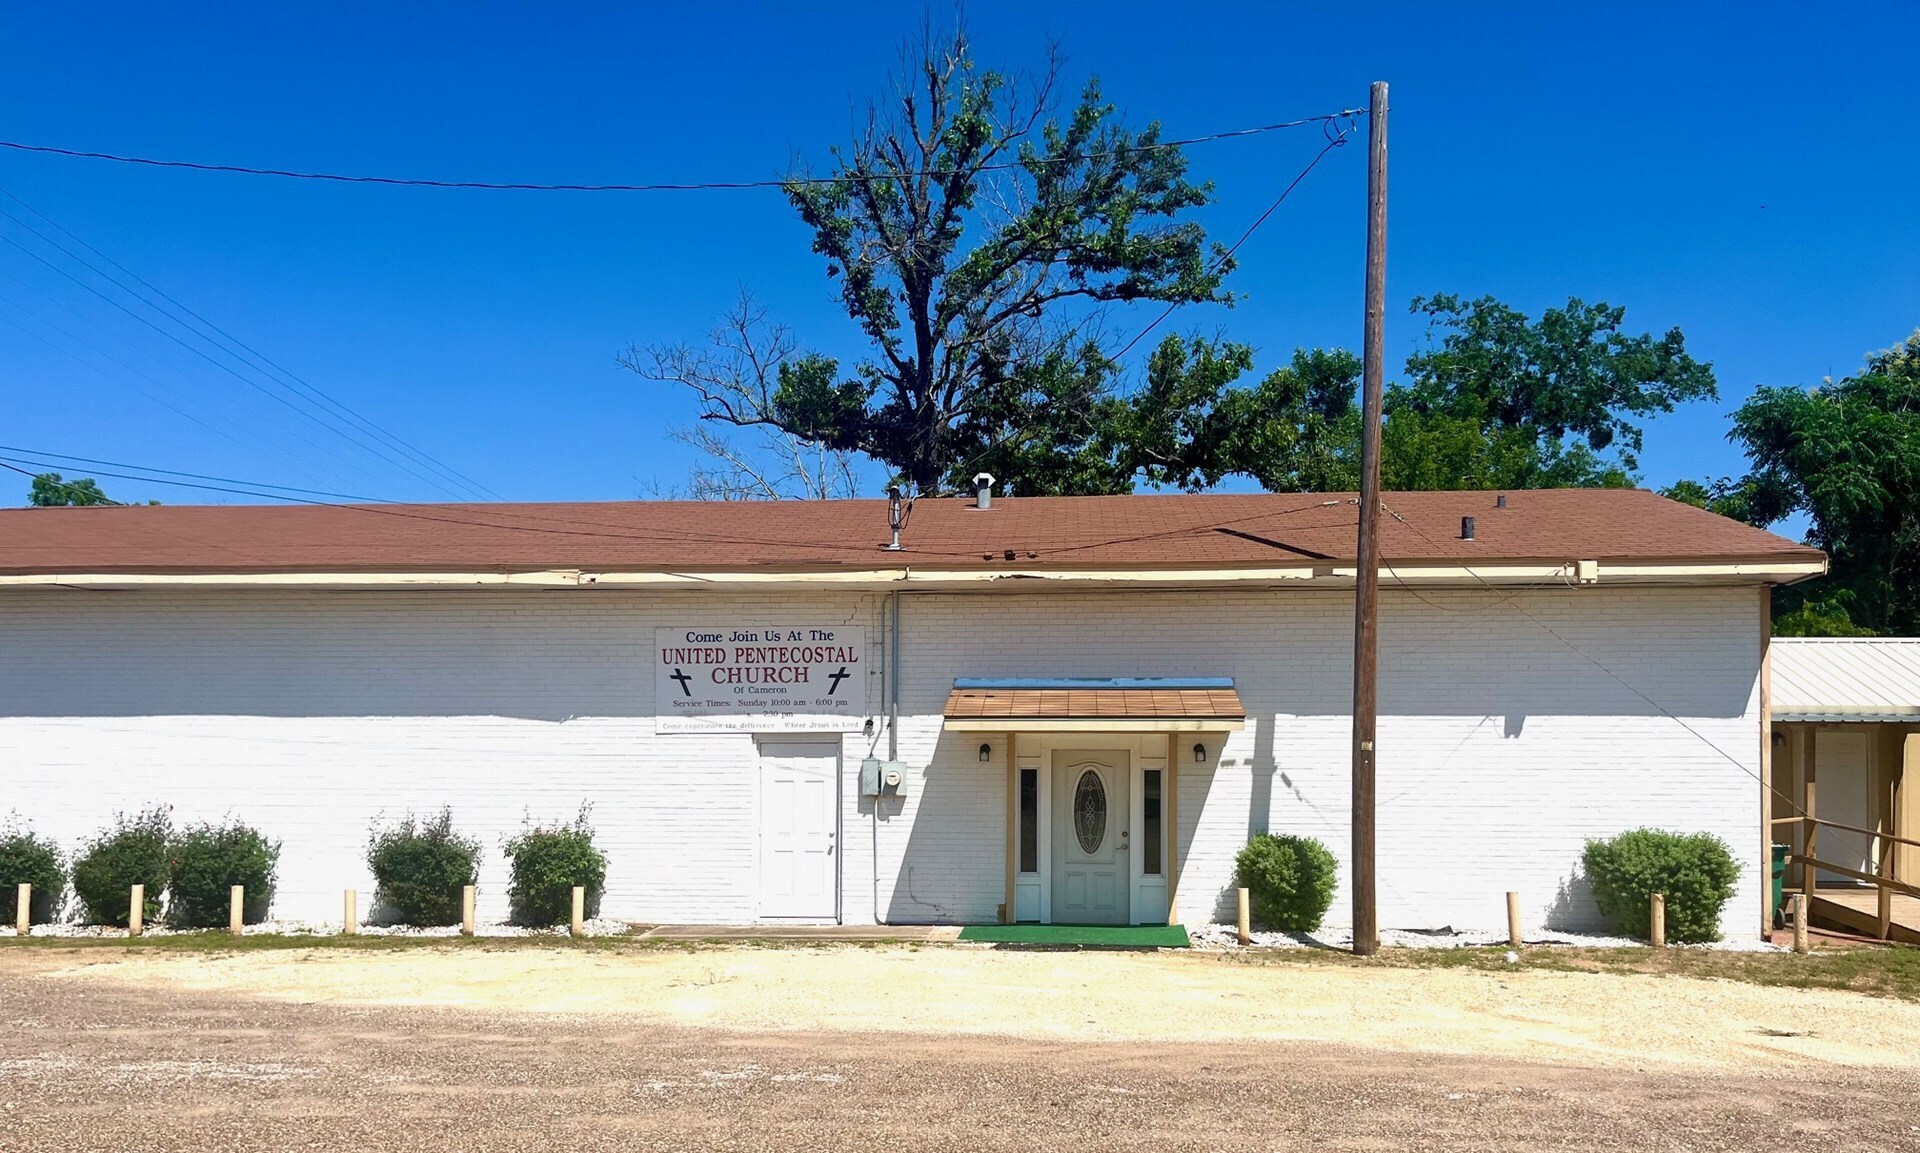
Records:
x=1098, y=936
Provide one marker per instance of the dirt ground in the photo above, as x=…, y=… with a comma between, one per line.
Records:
x=932, y=1048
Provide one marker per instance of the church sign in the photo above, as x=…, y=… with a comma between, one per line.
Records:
x=760, y=678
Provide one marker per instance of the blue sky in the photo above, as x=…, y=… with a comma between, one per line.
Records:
x=1744, y=172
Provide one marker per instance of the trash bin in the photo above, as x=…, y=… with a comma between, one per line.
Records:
x=1779, y=878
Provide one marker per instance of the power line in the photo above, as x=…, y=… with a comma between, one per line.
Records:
x=1510, y=598
x=64, y=486
x=1336, y=138
x=423, y=458
x=246, y=380
x=685, y=186
x=249, y=381
x=52, y=458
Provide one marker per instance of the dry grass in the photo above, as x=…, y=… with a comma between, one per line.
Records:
x=1874, y=970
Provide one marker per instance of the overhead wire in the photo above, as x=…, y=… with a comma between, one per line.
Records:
x=1342, y=125
x=287, y=377
x=1511, y=599
x=675, y=186
x=69, y=487
x=130, y=375
x=249, y=381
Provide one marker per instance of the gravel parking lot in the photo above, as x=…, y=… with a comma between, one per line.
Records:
x=541, y=1048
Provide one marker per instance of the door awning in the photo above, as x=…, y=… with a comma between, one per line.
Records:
x=1106, y=704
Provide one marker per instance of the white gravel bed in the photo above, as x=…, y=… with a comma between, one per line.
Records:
x=1223, y=937
x=599, y=927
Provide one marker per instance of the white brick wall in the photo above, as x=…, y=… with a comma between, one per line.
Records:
x=308, y=714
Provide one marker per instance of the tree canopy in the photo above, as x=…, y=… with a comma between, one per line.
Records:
x=1847, y=455
x=970, y=230
x=1494, y=400
x=50, y=490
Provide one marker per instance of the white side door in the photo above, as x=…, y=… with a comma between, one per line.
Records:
x=1842, y=793
x=799, y=868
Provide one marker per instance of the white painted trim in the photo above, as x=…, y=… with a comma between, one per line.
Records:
x=1569, y=572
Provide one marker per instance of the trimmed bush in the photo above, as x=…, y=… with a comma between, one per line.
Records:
x=30, y=860
x=207, y=861
x=133, y=851
x=1696, y=871
x=548, y=861
x=420, y=867
x=1289, y=881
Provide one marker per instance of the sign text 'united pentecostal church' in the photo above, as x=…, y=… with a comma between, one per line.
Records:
x=736, y=679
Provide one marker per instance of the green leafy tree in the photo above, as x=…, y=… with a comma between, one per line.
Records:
x=1570, y=374
x=969, y=231
x=51, y=490
x=1847, y=455
x=1495, y=400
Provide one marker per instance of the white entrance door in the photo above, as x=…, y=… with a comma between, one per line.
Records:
x=1842, y=792
x=1090, y=852
x=798, y=796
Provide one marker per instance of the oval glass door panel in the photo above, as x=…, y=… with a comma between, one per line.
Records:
x=1090, y=812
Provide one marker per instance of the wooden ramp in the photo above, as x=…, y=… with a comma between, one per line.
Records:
x=1858, y=911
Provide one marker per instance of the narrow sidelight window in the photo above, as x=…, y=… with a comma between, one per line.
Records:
x=1029, y=820
x=1150, y=805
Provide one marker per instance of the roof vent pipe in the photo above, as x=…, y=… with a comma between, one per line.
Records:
x=893, y=515
x=983, y=490
x=1466, y=528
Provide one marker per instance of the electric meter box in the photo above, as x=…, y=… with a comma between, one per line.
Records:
x=880, y=778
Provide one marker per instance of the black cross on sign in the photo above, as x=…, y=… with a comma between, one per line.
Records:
x=685, y=682
x=842, y=675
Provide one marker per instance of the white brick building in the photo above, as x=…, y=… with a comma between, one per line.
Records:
x=1587, y=662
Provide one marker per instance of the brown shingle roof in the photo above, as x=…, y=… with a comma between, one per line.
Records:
x=1094, y=704
x=1059, y=533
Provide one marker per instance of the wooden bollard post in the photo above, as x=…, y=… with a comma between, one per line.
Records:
x=1659, y=920
x=136, y=910
x=579, y=910
x=23, y=915
x=1513, y=919
x=1799, y=906
x=1244, y=925
x=466, y=911
x=350, y=915
x=236, y=910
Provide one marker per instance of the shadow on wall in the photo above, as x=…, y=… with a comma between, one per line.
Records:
x=1573, y=909
x=952, y=868
x=339, y=655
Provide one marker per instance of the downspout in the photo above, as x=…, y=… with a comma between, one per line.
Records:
x=893, y=686
x=893, y=736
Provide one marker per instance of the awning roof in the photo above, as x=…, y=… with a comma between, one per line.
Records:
x=1842, y=679
x=1136, y=704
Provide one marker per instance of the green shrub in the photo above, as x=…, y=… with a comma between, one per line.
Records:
x=1695, y=871
x=30, y=860
x=420, y=867
x=207, y=861
x=131, y=852
x=1289, y=881
x=548, y=861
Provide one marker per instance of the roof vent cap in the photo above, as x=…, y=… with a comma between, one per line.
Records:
x=983, y=490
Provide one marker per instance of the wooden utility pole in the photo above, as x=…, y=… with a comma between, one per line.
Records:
x=1366, y=601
